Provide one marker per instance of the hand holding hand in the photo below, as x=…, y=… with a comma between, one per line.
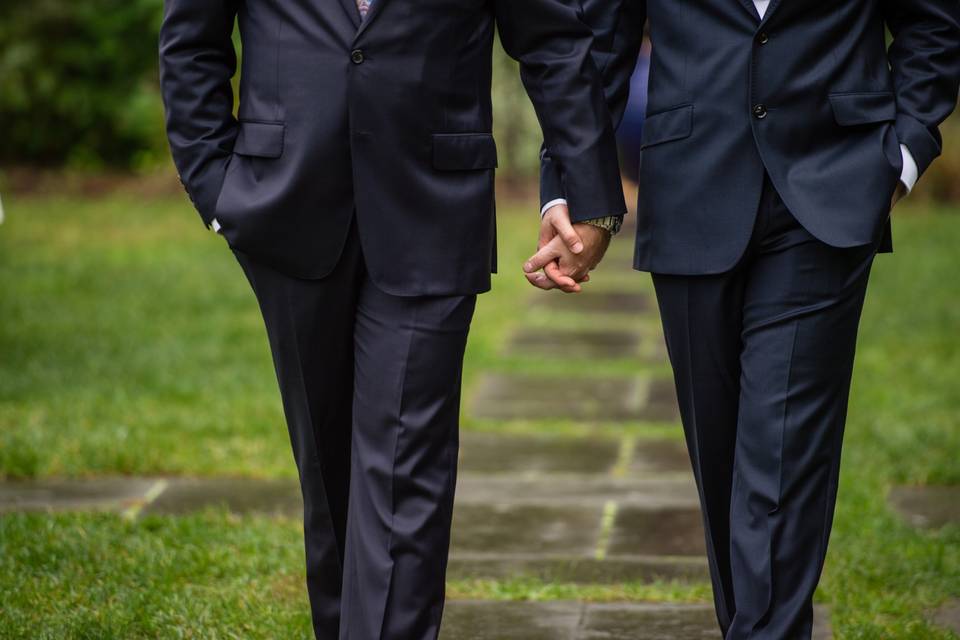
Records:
x=567, y=253
x=556, y=222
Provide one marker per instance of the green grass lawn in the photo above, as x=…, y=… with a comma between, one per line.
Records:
x=130, y=343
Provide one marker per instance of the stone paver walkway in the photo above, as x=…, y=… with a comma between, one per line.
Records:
x=598, y=302
x=580, y=621
x=584, y=344
x=598, y=399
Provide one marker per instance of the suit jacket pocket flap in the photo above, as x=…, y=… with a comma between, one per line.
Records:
x=850, y=109
x=260, y=139
x=464, y=151
x=673, y=124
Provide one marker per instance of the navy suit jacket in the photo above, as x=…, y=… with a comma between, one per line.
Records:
x=389, y=120
x=811, y=94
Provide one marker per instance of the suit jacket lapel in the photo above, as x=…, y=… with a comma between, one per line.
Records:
x=371, y=15
x=350, y=6
x=751, y=9
x=769, y=12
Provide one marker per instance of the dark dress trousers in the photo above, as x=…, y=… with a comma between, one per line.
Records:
x=356, y=190
x=770, y=154
x=371, y=391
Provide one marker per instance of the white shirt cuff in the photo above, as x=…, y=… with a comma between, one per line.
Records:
x=910, y=173
x=551, y=204
x=215, y=225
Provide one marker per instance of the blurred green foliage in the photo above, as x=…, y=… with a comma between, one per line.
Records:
x=78, y=83
x=79, y=89
x=514, y=121
x=941, y=181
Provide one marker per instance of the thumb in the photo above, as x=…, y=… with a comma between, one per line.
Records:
x=566, y=231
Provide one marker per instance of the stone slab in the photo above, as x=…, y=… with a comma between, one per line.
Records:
x=499, y=453
x=573, y=344
x=239, y=495
x=947, y=615
x=649, y=621
x=663, y=532
x=666, y=491
x=476, y=620
x=654, y=348
x=666, y=622
x=660, y=456
x=927, y=507
x=661, y=402
x=592, y=301
x=583, y=488
x=506, y=529
x=554, y=568
x=525, y=397
x=94, y=494
x=491, y=620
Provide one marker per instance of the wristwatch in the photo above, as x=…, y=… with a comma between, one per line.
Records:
x=610, y=224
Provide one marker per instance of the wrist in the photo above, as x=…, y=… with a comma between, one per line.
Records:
x=550, y=205
x=610, y=224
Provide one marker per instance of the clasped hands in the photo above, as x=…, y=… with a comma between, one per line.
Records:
x=566, y=252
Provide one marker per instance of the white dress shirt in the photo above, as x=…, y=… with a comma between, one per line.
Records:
x=908, y=176
x=761, y=6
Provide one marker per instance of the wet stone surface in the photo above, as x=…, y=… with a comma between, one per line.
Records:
x=927, y=507
x=533, y=470
x=498, y=453
x=661, y=404
x=663, y=532
x=660, y=456
x=947, y=615
x=601, y=302
x=510, y=621
x=239, y=495
x=520, y=397
x=572, y=344
x=664, y=491
x=471, y=620
x=577, y=570
x=507, y=529
x=110, y=494
x=653, y=622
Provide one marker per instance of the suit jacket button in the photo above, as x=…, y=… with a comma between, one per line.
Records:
x=356, y=56
x=763, y=38
x=760, y=112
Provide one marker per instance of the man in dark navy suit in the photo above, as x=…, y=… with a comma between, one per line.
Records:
x=779, y=134
x=356, y=189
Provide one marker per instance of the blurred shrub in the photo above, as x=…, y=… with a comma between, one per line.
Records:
x=515, y=122
x=78, y=88
x=78, y=82
x=941, y=182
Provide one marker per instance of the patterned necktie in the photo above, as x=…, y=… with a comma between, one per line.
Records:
x=364, y=6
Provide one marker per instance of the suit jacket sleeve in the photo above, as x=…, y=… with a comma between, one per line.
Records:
x=925, y=59
x=197, y=61
x=552, y=45
x=617, y=27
